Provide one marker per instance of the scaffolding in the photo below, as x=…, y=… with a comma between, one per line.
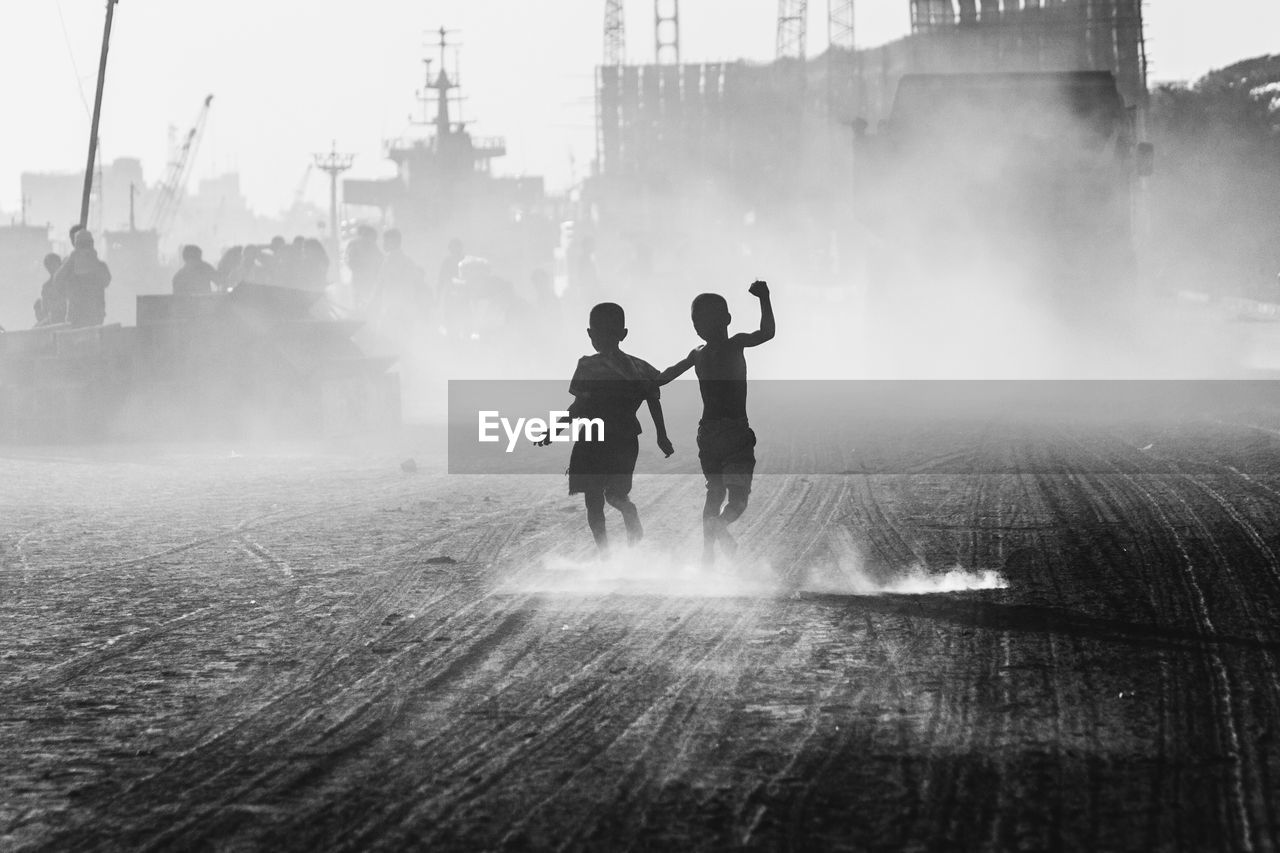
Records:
x=666, y=32
x=1044, y=35
x=840, y=24
x=657, y=122
x=793, y=25
x=615, y=33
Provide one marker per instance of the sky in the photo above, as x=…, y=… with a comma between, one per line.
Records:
x=293, y=77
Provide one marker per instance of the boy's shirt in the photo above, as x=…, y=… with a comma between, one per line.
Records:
x=722, y=380
x=612, y=387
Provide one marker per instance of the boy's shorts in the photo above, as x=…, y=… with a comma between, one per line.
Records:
x=726, y=449
x=603, y=466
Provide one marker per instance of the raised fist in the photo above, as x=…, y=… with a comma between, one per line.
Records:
x=758, y=289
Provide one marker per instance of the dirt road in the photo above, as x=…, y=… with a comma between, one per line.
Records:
x=319, y=651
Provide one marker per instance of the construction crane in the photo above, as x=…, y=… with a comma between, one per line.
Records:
x=299, y=195
x=174, y=187
x=793, y=28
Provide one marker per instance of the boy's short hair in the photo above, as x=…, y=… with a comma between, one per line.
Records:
x=191, y=252
x=608, y=315
x=710, y=301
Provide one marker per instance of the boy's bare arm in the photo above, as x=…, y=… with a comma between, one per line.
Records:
x=759, y=290
x=660, y=426
x=675, y=370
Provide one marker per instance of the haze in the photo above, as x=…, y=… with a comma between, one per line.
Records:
x=288, y=79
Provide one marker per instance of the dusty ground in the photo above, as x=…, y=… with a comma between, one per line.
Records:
x=272, y=651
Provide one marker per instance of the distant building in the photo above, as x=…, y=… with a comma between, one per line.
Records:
x=54, y=198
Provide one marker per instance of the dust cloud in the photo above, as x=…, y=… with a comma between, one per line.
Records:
x=650, y=571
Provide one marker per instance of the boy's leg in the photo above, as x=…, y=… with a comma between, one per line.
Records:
x=595, y=518
x=732, y=511
x=630, y=515
x=617, y=486
x=738, y=471
x=712, y=526
x=737, y=504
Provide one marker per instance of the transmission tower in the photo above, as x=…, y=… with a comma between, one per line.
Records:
x=840, y=24
x=793, y=18
x=666, y=32
x=615, y=33
x=334, y=164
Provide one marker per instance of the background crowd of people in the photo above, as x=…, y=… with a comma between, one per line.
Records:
x=464, y=303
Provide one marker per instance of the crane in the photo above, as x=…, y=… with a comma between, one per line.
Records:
x=174, y=187
x=300, y=193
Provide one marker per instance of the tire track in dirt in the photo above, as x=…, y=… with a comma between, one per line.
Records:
x=567, y=718
x=115, y=647
x=1227, y=718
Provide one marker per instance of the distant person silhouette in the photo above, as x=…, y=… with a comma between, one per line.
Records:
x=51, y=307
x=449, y=267
x=726, y=442
x=84, y=278
x=229, y=268
x=253, y=266
x=364, y=259
x=315, y=264
x=196, y=276
x=402, y=284
x=611, y=385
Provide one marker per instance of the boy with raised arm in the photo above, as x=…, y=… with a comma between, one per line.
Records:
x=611, y=385
x=726, y=444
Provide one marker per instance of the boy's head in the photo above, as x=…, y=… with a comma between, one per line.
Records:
x=608, y=326
x=192, y=254
x=51, y=262
x=710, y=316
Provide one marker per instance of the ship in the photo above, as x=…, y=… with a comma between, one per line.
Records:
x=444, y=188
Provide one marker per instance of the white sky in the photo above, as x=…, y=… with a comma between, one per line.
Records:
x=288, y=76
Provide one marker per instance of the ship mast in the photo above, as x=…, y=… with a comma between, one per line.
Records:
x=442, y=85
x=97, y=114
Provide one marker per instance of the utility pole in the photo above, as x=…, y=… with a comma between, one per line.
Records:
x=97, y=115
x=334, y=164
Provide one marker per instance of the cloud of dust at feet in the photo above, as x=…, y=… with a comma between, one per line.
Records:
x=647, y=571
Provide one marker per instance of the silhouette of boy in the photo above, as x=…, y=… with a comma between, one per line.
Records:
x=726, y=443
x=611, y=385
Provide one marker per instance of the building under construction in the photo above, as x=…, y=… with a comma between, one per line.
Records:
x=770, y=135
